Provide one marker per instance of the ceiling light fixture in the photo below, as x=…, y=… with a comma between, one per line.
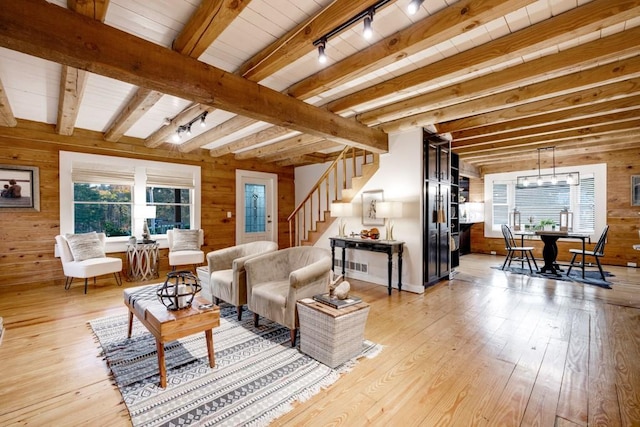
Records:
x=186, y=128
x=549, y=180
x=322, y=58
x=366, y=16
x=367, y=33
x=414, y=5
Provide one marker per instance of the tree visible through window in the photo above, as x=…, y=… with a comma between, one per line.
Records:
x=102, y=208
x=173, y=209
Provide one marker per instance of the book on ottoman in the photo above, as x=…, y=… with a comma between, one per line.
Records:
x=335, y=302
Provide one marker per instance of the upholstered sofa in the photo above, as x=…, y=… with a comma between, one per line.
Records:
x=275, y=281
x=226, y=273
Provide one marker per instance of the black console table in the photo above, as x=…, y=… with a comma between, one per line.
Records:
x=388, y=247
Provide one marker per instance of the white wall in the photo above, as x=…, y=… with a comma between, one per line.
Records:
x=400, y=177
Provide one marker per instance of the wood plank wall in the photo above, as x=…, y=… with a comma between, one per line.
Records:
x=27, y=238
x=623, y=219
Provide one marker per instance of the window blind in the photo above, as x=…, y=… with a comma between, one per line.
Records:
x=97, y=174
x=170, y=179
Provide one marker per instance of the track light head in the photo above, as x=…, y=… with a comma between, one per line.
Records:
x=322, y=58
x=367, y=33
x=203, y=123
x=413, y=6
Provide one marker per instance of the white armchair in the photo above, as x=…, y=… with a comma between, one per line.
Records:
x=227, y=276
x=277, y=280
x=83, y=256
x=184, y=247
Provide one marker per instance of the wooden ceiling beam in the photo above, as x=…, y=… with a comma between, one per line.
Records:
x=6, y=113
x=279, y=147
x=72, y=80
x=568, y=102
x=303, y=150
x=194, y=39
x=57, y=34
x=223, y=129
x=541, y=69
x=306, y=159
x=259, y=137
x=559, y=117
x=552, y=128
x=299, y=41
x=567, y=149
x=209, y=20
x=621, y=129
x=445, y=24
x=589, y=78
x=577, y=22
x=138, y=105
x=95, y=9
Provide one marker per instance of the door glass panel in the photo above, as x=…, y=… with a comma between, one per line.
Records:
x=255, y=208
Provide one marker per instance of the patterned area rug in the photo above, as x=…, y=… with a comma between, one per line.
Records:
x=258, y=375
x=590, y=277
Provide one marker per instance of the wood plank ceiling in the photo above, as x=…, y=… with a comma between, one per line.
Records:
x=503, y=77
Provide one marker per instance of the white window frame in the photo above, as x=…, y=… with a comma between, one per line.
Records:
x=599, y=172
x=119, y=243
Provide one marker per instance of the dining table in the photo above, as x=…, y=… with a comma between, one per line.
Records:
x=550, y=249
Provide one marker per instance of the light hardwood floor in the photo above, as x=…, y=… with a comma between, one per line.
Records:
x=486, y=348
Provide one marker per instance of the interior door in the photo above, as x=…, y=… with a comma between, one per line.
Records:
x=256, y=206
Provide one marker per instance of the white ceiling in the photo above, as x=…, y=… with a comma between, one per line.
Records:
x=32, y=85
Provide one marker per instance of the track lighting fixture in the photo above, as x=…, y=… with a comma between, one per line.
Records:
x=186, y=128
x=322, y=58
x=366, y=16
x=413, y=6
x=367, y=33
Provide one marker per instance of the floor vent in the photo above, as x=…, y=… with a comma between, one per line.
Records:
x=353, y=266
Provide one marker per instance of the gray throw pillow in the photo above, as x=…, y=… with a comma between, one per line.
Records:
x=85, y=246
x=185, y=240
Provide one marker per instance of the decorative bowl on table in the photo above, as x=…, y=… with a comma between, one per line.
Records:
x=364, y=234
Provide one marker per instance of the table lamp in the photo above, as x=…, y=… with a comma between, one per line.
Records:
x=145, y=212
x=389, y=210
x=341, y=210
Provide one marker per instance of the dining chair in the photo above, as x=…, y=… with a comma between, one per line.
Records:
x=597, y=253
x=526, y=252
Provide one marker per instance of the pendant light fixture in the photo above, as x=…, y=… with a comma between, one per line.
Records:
x=548, y=180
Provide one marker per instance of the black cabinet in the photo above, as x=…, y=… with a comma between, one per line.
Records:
x=438, y=180
x=454, y=211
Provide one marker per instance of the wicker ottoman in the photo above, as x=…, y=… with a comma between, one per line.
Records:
x=203, y=276
x=329, y=335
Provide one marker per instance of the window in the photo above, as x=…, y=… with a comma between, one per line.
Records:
x=587, y=201
x=101, y=193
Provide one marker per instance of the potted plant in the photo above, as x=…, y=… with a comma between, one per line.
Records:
x=547, y=224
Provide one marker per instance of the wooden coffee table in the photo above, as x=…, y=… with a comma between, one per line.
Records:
x=167, y=325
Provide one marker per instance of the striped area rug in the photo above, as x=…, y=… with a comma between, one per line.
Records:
x=256, y=378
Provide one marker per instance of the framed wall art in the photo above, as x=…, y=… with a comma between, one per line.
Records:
x=635, y=190
x=20, y=186
x=370, y=199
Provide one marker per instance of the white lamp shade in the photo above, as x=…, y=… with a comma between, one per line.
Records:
x=144, y=211
x=389, y=209
x=341, y=209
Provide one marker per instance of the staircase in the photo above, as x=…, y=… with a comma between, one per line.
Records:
x=312, y=217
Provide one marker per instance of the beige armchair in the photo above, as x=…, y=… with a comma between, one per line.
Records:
x=277, y=280
x=227, y=276
x=184, y=247
x=83, y=256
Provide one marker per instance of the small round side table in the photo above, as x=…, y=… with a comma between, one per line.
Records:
x=142, y=261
